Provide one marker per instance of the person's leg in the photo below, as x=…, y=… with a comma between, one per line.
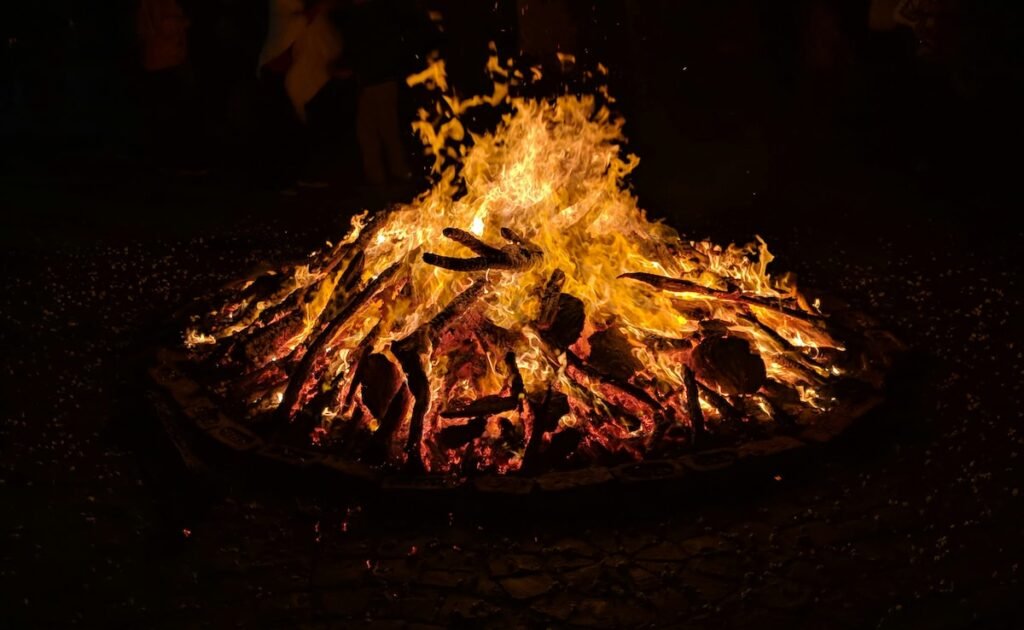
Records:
x=388, y=129
x=367, y=110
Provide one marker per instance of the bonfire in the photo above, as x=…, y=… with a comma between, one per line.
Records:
x=523, y=315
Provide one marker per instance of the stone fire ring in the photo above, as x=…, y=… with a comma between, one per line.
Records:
x=188, y=413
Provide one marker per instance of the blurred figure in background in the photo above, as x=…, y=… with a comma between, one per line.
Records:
x=376, y=53
x=315, y=55
x=162, y=29
x=299, y=57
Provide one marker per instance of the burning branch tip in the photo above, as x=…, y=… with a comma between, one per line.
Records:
x=471, y=242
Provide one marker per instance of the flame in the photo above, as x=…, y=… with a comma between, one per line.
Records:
x=554, y=173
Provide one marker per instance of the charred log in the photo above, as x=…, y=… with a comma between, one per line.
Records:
x=729, y=363
x=722, y=406
x=549, y=300
x=379, y=448
x=568, y=322
x=678, y=285
x=479, y=263
x=459, y=435
x=612, y=354
x=457, y=306
x=471, y=242
x=483, y=407
x=308, y=366
x=529, y=248
x=379, y=381
x=627, y=388
x=547, y=409
x=519, y=255
x=515, y=378
x=693, y=403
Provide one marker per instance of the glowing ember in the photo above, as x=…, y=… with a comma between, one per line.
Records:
x=523, y=314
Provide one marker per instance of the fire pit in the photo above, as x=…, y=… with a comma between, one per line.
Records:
x=522, y=324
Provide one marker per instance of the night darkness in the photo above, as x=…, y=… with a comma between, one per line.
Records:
x=154, y=150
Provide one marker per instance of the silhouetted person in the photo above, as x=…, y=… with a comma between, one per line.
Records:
x=376, y=53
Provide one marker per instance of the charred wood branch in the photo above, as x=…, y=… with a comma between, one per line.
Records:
x=356, y=366
x=461, y=434
x=547, y=411
x=519, y=255
x=515, y=377
x=457, y=306
x=515, y=238
x=482, y=407
x=776, y=413
x=627, y=388
x=668, y=344
x=567, y=324
x=353, y=270
x=380, y=443
x=549, y=299
x=419, y=388
x=369, y=230
x=341, y=293
x=678, y=285
x=783, y=343
x=291, y=401
x=793, y=352
x=723, y=406
x=379, y=381
x=471, y=242
x=693, y=403
x=807, y=372
x=479, y=263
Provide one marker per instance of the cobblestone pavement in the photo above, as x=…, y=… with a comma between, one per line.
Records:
x=913, y=521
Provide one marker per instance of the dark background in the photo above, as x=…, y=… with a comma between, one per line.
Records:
x=883, y=166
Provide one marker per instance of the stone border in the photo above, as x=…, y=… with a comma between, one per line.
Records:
x=182, y=403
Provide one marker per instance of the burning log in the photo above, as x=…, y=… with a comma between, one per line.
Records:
x=668, y=344
x=517, y=256
x=693, y=403
x=809, y=374
x=379, y=448
x=621, y=394
x=568, y=323
x=776, y=413
x=729, y=363
x=479, y=263
x=268, y=344
x=721, y=405
x=515, y=238
x=410, y=351
x=356, y=366
x=515, y=378
x=379, y=380
x=456, y=307
x=794, y=356
x=486, y=406
x=416, y=380
x=471, y=242
x=547, y=411
x=612, y=354
x=459, y=435
x=678, y=285
x=307, y=367
x=549, y=300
